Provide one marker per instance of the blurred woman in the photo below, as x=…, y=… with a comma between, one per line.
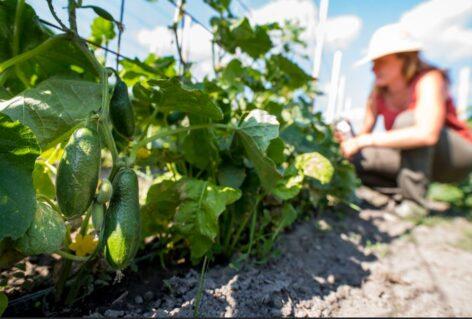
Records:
x=424, y=139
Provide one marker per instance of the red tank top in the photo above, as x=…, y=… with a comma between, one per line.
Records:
x=452, y=120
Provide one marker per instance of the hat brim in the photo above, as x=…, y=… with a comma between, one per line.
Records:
x=369, y=58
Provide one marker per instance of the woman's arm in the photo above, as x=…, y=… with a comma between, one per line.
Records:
x=429, y=113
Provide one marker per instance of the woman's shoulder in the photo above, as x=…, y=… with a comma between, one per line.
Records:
x=433, y=79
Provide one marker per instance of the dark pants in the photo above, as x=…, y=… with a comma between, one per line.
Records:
x=411, y=170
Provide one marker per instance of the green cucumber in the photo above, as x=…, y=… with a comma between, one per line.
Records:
x=105, y=192
x=98, y=215
x=121, y=110
x=77, y=176
x=122, y=220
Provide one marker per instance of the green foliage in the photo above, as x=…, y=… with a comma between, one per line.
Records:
x=240, y=34
x=445, y=193
x=18, y=152
x=63, y=58
x=171, y=95
x=45, y=234
x=196, y=218
x=54, y=108
x=316, y=166
x=3, y=302
x=103, y=31
x=233, y=160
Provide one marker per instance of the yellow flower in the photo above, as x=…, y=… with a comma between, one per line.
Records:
x=143, y=153
x=83, y=245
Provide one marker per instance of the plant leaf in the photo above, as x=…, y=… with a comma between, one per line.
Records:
x=261, y=127
x=54, y=107
x=232, y=176
x=161, y=203
x=45, y=234
x=171, y=96
x=103, y=31
x=315, y=166
x=202, y=202
x=3, y=302
x=18, y=152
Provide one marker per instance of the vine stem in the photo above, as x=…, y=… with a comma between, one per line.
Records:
x=17, y=27
x=31, y=53
x=199, y=294
x=105, y=106
x=68, y=256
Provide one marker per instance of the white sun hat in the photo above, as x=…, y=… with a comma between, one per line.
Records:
x=391, y=38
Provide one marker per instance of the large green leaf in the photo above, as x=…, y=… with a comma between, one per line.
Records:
x=261, y=127
x=255, y=133
x=275, y=151
x=199, y=146
x=253, y=41
x=46, y=233
x=161, y=202
x=230, y=175
x=54, y=107
x=171, y=96
x=285, y=72
x=264, y=166
x=316, y=166
x=202, y=202
x=32, y=34
x=42, y=180
x=18, y=152
x=63, y=58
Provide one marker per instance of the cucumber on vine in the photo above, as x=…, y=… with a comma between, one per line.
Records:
x=122, y=220
x=79, y=168
x=121, y=110
x=98, y=215
x=105, y=191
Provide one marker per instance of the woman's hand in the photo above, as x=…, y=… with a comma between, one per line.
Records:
x=353, y=145
x=350, y=147
x=338, y=136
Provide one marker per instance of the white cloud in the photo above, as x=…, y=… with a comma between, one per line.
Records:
x=340, y=31
x=442, y=27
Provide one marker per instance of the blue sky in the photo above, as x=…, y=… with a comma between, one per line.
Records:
x=445, y=49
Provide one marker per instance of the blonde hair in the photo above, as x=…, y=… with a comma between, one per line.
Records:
x=413, y=66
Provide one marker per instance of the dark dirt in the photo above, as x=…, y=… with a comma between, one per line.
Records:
x=371, y=263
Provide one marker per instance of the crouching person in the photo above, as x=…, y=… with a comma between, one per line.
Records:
x=424, y=139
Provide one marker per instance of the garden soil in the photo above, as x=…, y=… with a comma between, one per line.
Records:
x=371, y=263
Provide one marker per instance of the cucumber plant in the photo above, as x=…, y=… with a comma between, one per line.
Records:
x=208, y=169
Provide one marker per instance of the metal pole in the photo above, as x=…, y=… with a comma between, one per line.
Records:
x=340, y=96
x=320, y=35
x=333, y=87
